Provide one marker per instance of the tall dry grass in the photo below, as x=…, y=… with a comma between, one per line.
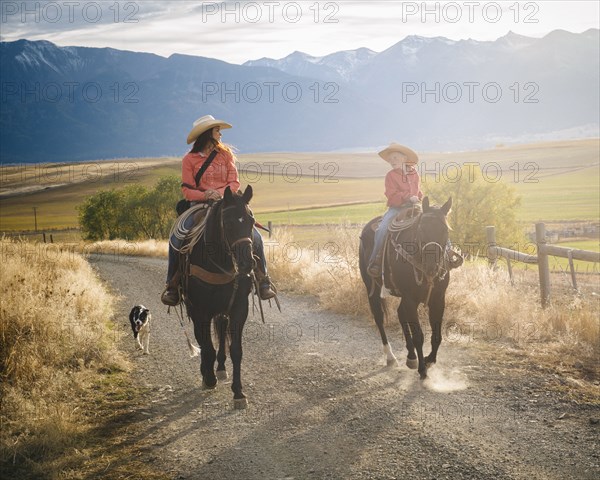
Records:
x=55, y=336
x=328, y=270
x=142, y=248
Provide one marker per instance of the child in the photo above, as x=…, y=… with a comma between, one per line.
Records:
x=402, y=189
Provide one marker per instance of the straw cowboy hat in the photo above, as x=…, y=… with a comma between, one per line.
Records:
x=411, y=156
x=203, y=124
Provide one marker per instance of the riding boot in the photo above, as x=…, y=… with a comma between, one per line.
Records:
x=374, y=268
x=171, y=296
x=266, y=290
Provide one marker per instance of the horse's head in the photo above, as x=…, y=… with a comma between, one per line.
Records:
x=238, y=222
x=432, y=236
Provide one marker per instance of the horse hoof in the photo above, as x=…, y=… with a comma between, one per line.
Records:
x=222, y=375
x=423, y=375
x=205, y=386
x=412, y=363
x=240, y=403
x=391, y=362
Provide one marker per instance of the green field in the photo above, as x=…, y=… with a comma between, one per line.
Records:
x=568, y=196
x=558, y=181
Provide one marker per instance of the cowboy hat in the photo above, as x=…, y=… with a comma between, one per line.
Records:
x=411, y=156
x=203, y=124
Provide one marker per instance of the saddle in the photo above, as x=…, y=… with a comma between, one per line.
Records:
x=189, y=236
x=405, y=218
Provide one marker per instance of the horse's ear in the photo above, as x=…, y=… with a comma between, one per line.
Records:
x=247, y=196
x=446, y=207
x=228, y=196
x=425, y=204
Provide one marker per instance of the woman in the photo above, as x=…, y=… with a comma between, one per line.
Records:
x=220, y=174
x=402, y=189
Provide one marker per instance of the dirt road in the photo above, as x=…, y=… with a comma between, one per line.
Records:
x=322, y=404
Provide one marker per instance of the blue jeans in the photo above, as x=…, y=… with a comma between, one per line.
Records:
x=381, y=231
x=257, y=247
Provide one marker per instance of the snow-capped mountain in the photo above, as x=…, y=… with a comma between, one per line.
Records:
x=75, y=103
x=334, y=67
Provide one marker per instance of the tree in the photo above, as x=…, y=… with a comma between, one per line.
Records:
x=99, y=215
x=477, y=201
x=161, y=200
x=132, y=213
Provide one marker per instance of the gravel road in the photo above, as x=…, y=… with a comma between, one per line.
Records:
x=322, y=404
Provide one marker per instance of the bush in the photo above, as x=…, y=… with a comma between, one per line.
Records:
x=477, y=203
x=131, y=214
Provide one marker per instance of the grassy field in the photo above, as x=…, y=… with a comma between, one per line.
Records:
x=566, y=196
x=559, y=181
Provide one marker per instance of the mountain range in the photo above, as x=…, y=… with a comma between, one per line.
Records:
x=79, y=103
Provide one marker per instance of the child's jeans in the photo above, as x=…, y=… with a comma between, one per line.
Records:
x=381, y=231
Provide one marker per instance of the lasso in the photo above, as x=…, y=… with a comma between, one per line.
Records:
x=192, y=236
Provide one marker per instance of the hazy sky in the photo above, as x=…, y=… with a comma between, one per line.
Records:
x=243, y=30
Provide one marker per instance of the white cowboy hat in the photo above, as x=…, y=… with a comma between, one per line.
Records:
x=411, y=156
x=203, y=124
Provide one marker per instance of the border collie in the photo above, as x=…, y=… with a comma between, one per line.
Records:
x=140, y=324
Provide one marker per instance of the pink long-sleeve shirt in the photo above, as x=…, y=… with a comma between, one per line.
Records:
x=400, y=186
x=220, y=174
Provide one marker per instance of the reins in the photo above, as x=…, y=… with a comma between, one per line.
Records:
x=418, y=267
x=236, y=275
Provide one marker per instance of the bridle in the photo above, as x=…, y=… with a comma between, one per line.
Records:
x=417, y=263
x=231, y=246
x=230, y=250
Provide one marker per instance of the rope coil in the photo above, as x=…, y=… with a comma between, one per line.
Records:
x=181, y=233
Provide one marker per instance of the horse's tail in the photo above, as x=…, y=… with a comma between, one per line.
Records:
x=220, y=333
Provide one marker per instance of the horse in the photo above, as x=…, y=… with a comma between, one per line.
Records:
x=416, y=268
x=218, y=285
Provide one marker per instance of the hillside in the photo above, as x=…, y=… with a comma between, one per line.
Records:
x=76, y=103
x=558, y=181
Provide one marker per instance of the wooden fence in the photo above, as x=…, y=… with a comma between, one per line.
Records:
x=544, y=250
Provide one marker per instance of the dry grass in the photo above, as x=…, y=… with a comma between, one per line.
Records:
x=55, y=337
x=328, y=270
x=142, y=248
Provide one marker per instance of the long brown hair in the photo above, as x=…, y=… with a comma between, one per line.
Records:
x=207, y=139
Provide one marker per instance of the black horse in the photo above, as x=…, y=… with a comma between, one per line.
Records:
x=219, y=283
x=416, y=268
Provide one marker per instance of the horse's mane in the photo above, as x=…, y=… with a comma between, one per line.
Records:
x=213, y=233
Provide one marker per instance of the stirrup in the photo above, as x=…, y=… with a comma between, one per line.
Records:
x=171, y=297
x=266, y=289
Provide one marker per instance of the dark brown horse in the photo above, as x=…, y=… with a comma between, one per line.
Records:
x=218, y=291
x=416, y=268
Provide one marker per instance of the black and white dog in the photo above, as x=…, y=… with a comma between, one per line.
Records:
x=140, y=324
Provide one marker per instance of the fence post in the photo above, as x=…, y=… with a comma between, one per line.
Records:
x=572, y=267
x=44, y=236
x=543, y=268
x=490, y=233
x=270, y=226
